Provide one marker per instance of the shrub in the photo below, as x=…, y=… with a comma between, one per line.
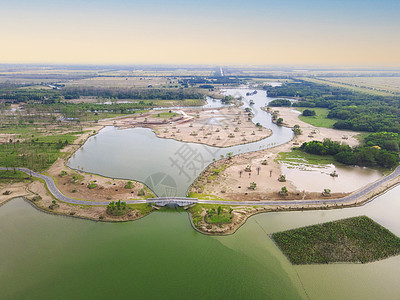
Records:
x=308, y=113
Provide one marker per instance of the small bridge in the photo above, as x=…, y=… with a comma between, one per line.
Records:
x=180, y=201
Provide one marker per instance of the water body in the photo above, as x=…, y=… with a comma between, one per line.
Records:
x=161, y=257
x=317, y=178
x=167, y=166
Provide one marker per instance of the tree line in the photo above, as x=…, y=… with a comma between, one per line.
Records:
x=13, y=94
x=354, y=110
x=361, y=156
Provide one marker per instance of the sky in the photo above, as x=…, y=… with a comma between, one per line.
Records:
x=222, y=32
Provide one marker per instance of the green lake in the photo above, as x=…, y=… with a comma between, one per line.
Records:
x=161, y=257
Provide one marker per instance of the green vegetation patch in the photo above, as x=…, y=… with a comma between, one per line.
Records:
x=117, y=208
x=142, y=208
x=196, y=211
x=165, y=115
x=362, y=156
x=357, y=239
x=296, y=157
x=385, y=140
x=37, y=154
x=92, y=185
x=12, y=176
x=215, y=171
x=204, y=196
x=353, y=110
x=320, y=119
x=129, y=185
x=222, y=218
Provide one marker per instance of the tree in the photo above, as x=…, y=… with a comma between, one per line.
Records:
x=297, y=131
x=219, y=210
x=280, y=102
x=346, y=157
x=252, y=186
x=326, y=192
x=279, y=121
x=284, y=191
x=308, y=113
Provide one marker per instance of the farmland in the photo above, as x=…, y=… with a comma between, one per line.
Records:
x=380, y=84
x=338, y=84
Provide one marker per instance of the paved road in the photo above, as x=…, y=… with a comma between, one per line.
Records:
x=57, y=194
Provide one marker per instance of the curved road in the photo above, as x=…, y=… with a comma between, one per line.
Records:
x=57, y=194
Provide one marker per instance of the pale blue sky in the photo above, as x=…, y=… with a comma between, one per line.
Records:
x=255, y=32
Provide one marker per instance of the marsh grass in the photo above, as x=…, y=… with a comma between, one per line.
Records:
x=356, y=240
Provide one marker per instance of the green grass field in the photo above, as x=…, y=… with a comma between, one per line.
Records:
x=319, y=120
x=357, y=239
x=7, y=176
x=296, y=157
x=222, y=218
x=197, y=209
x=38, y=153
x=165, y=115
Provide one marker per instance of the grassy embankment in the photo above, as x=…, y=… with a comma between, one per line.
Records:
x=320, y=119
x=357, y=239
x=215, y=218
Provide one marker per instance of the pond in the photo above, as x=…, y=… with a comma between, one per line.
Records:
x=316, y=178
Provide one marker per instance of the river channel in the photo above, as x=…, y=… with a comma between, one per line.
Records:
x=167, y=166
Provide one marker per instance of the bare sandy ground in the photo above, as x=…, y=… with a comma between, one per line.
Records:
x=233, y=183
x=74, y=184
x=222, y=127
x=14, y=190
x=80, y=211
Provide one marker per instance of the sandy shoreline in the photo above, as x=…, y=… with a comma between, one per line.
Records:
x=233, y=182
x=217, y=127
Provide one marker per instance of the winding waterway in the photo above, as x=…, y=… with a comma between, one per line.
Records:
x=167, y=166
